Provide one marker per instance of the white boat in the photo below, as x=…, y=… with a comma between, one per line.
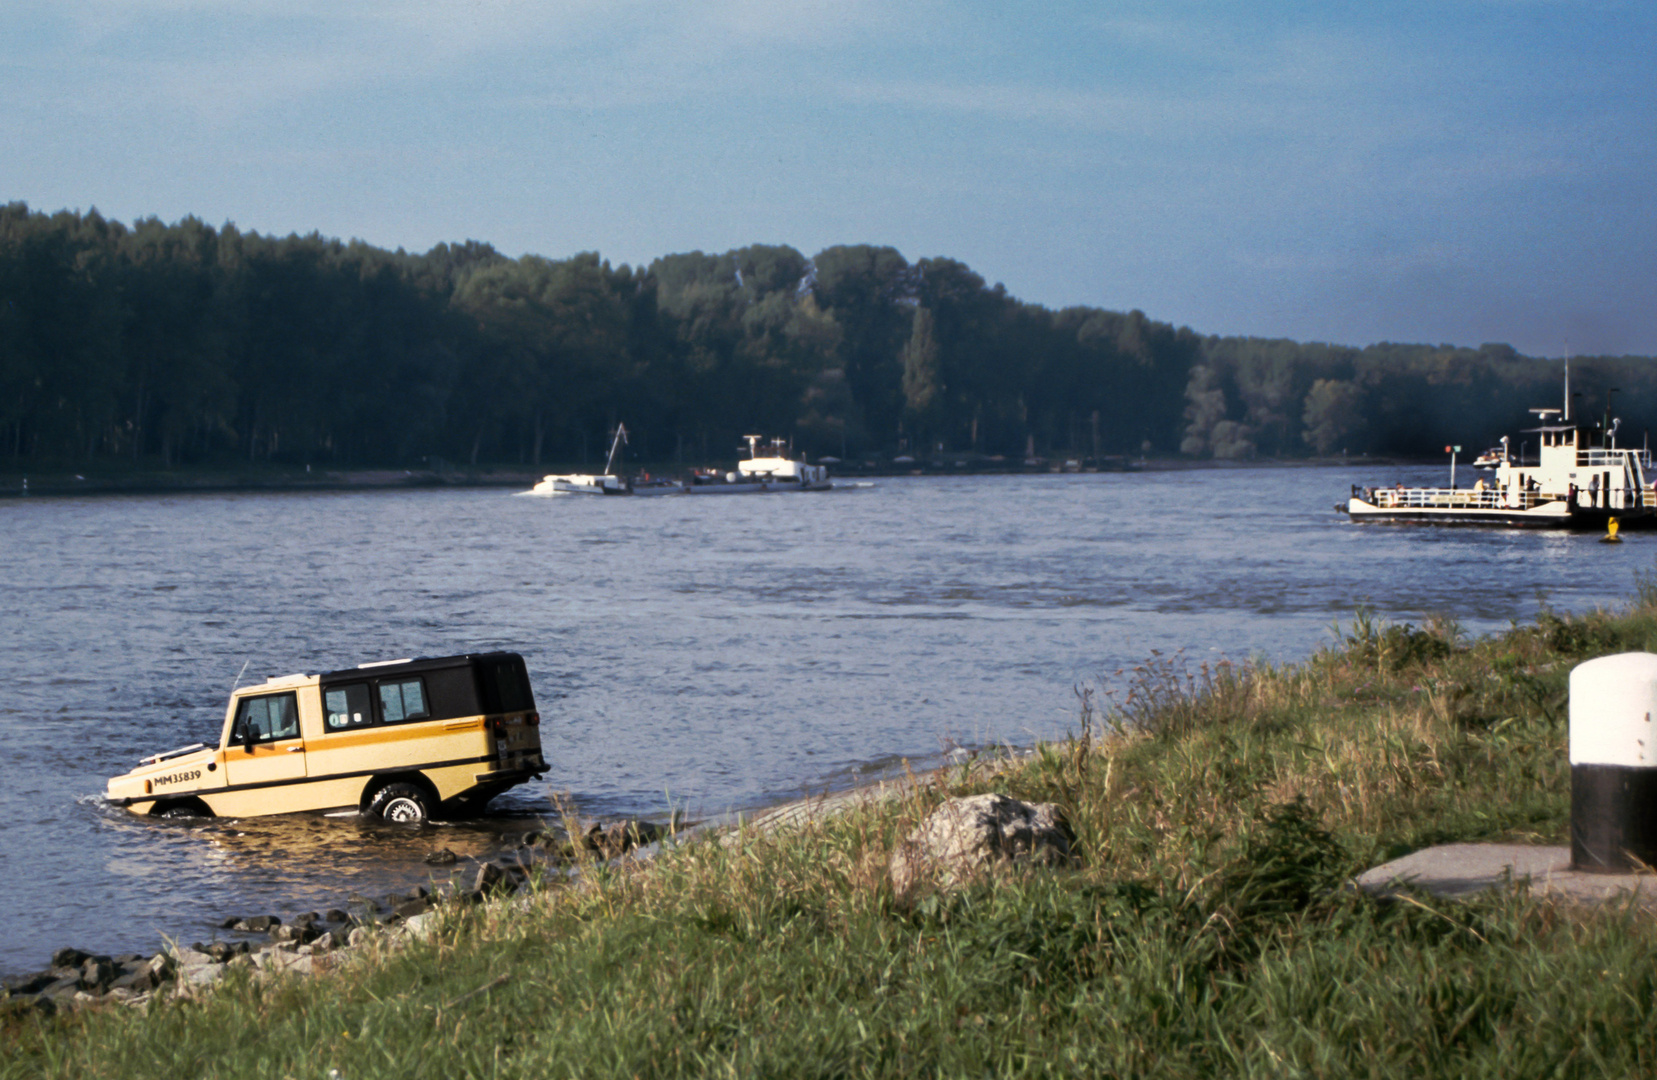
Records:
x=606, y=483
x=1581, y=479
x=767, y=468
x=580, y=484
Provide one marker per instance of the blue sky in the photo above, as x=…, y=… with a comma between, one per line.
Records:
x=1458, y=171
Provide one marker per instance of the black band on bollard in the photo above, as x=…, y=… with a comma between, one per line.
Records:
x=1613, y=818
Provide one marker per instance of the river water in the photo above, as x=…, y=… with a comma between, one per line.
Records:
x=696, y=654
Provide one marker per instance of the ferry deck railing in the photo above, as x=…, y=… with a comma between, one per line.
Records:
x=1598, y=459
x=1496, y=499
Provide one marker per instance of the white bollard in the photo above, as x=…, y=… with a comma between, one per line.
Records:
x=1614, y=763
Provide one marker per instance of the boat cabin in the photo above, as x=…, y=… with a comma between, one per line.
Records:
x=1579, y=463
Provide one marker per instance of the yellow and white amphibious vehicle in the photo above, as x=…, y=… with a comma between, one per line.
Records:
x=400, y=739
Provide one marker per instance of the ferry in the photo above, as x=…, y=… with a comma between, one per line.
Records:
x=1581, y=479
x=768, y=468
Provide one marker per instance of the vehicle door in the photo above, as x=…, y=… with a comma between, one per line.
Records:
x=265, y=743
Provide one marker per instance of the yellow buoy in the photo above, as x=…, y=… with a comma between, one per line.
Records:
x=1611, y=536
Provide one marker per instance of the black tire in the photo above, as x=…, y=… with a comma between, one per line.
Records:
x=403, y=804
x=178, y=810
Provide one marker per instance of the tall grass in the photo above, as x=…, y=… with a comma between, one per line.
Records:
x=1206, y=929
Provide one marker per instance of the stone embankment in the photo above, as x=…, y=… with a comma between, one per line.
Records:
x=309, y=942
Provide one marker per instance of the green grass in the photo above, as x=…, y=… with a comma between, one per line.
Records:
x=1207, y=930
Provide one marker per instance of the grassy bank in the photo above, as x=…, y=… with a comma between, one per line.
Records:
x=1206, y=931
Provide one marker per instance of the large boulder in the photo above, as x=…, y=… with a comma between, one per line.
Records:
x=618, y=838
x=966, y=837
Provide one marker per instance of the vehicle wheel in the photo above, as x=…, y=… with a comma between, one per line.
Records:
x=406, y=804
x=182, y=810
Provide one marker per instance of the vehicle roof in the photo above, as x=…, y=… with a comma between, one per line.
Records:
x=424, y=663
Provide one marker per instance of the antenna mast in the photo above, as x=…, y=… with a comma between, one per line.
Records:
x=1567, y=382
x=621, y=437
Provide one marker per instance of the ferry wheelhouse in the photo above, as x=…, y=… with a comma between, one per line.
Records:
x=1581, y=479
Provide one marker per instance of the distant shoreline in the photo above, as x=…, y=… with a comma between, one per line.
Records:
x=18, y=484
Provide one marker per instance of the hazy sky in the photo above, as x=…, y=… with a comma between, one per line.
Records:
x=1446, y=171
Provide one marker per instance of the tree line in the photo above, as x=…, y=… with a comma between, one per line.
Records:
x=182, y=344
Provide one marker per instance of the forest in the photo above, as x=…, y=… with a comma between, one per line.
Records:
x=180, y=345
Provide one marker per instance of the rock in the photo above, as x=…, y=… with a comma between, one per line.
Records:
x=423, y=925
x=489, y=877
x=230, y=923
x=964, y=837
x=135, y=981
x=258, y=924
x=293, y=934
x=617, y=839
x=98, y=972
x=70, y=958
x=412, y=908
x=335, y=915
x=201, y=974
x=444, y=857
x=27, y=984
x=62, y=988
x=357, y=936
x=22, y=1004
x=307, y=920
x=189, y=958
x=276, y=960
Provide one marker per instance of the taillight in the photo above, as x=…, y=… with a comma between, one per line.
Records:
x=533, y=719
x=497, y=724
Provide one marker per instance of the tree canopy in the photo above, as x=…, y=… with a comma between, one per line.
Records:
x=184, y=343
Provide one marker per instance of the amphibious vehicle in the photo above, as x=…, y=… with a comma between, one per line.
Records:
x=404, y=739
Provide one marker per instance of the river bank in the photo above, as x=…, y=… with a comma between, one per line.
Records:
x=1219, y=809
x=137, y=480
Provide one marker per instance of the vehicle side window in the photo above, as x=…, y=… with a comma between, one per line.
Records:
x=403, y=700
x=266, y=719
x=346, y=707
x=505, y=686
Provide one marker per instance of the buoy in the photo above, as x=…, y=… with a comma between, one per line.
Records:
x=1611, y=536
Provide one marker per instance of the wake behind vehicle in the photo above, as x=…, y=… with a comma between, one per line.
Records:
x=399, y=739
